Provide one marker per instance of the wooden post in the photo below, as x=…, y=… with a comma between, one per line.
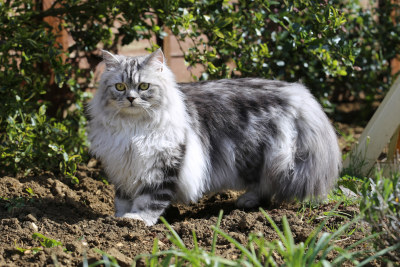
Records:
x=379, y=130
x=394, y=146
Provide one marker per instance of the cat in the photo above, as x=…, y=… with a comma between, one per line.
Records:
x=162, y=142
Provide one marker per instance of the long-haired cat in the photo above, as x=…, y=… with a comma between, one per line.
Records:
x=163, y=142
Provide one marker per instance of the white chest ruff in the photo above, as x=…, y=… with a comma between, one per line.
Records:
x=130, y=155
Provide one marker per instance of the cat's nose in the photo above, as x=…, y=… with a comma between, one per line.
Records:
x=130, y=98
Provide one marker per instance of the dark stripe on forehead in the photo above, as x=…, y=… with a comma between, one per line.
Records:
x=134, y=64
x=132, y=69
x=128, y=71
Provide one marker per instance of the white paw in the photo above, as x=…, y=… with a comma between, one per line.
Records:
x=148, y=220
x=134, y=216
x=247, y=201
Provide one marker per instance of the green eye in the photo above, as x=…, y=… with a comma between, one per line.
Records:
x=120, y=86
x=144, y=86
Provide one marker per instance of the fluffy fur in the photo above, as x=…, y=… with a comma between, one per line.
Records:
x=175, y=142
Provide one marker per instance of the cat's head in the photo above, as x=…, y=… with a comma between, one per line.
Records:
x=134, y=86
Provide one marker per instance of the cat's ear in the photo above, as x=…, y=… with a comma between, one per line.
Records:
x=157, y=60
x=110, y=60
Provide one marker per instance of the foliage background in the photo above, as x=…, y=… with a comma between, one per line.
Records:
x=336, y=48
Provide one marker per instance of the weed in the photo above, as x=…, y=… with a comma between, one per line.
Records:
x=381, y=206
x=32, y=250
x=305, y=210
x=14, y=204
x=30, y=192
x=45, y=242
x=108, y=260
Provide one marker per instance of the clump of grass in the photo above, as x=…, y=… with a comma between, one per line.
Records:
x=381, y=206
x=261, y=252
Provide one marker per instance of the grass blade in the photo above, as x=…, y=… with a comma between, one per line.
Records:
x=288, y=235
x=196, y=245
x=215, y=234
x=378, y=254
x=244, y=250
x=153, y=260
x=273, y=224
x=176, y=239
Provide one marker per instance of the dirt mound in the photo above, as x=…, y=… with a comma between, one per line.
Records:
x=80, y=218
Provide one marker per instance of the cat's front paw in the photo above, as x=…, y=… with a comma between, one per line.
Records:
x=148, y=220
x=134, y=216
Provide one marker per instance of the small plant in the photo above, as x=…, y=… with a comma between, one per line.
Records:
x=30, y=192
x=32, y=250
x=381, y=206
x=36, y=142
x=13, y=204
x=108, y=260
x=44, y=241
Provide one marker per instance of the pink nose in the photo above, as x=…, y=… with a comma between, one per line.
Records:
x=130, y=99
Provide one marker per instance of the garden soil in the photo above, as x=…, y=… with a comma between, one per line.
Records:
x=80, y=217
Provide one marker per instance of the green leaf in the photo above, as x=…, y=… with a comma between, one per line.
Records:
x=219, y=34
x=54, y=147
x=342, y=72
x=273, y=18
x=42, y=110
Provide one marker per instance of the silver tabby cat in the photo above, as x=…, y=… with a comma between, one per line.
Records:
x=161, y=142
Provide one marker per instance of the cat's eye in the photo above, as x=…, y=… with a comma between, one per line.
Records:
x=144, y=86
x=120, y=86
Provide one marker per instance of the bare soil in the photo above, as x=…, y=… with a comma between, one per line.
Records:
x=81, y=218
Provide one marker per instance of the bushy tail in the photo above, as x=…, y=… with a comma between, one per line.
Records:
x=316, y=159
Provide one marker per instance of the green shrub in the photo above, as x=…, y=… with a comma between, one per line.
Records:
x=376, y=33
x=319, y=43
x=288, y=40
x=381, y=206
x=29, y=138
x=337, y=48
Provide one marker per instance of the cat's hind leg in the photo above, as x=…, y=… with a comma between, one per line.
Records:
x=256, y=195
x=248, y=200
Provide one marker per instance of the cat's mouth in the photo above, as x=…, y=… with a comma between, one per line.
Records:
x=130, y=105
x=133, y=109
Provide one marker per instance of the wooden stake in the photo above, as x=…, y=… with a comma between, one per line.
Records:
x=379, y=130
